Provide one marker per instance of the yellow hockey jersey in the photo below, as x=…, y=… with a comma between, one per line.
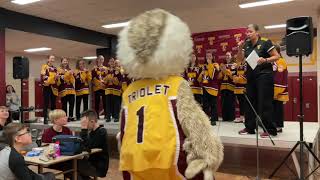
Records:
x=150, y=131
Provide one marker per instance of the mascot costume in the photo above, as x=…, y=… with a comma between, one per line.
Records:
x=164, y=133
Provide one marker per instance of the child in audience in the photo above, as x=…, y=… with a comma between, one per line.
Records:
x=12, y=164
x=4, y=114
x=59, y=119
x=94, y=136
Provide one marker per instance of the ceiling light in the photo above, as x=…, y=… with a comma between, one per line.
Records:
x=275, y=26
x=37, y=49
x=90, y=57
x=116, y=25
x=262, y=3
x=23, y=2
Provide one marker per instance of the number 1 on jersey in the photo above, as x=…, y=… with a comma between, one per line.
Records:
x=140, y=114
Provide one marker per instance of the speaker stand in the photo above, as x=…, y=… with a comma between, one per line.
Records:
x=21, y=105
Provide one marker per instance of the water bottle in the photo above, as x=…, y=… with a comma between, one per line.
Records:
x=57, y=149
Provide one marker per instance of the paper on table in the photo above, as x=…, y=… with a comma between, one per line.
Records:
x=252, y=59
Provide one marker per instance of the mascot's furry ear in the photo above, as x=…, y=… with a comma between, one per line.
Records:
x=155, y=44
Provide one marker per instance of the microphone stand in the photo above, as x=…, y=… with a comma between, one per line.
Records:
x=258, y=120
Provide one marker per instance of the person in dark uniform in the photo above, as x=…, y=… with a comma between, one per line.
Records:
x=281, y=95
x=240, y=82
x=191, y=74
x=109, y=84
x=116, y=91
x=210, y=83
x=98, y=74
x=259, y=80
x=228, y=70
x=49, y=79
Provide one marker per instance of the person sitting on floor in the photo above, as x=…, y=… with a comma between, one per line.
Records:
x=12, y=164
x=94, y=136
x=59, y=119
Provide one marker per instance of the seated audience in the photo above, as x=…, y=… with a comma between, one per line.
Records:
x=94, y=136
x=4, y=114
x=12, y=164
x=59, y=119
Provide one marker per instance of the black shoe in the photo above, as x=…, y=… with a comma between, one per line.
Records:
x=116, y=120
x=108, y=119
x=213, y=123
x=279, y=130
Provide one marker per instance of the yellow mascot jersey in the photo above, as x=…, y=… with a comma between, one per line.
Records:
x=149, y=127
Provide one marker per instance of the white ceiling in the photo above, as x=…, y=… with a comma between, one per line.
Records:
x=17, y=41
x=201, y=15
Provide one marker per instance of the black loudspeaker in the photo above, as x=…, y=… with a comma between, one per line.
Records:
x=299, y=37
x=20, y=67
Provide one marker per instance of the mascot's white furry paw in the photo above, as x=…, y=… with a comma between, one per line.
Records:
x=208, y=174
x=190, y=157
x=187, y=145
x=196, y=166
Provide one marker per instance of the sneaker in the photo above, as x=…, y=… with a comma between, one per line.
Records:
x=238, y=120
x=245, y=131
x=108, y=119
x=213, y=123
x=266, y=135
x=279, y=130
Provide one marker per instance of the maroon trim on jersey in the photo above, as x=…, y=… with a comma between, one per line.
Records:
x=229, y=81
x=79, y=85
x=126, y=175
x=122, y=124
x=212, y=82
x=120, y=79
x=182, y=159
x=47, y=73
x=195, y=82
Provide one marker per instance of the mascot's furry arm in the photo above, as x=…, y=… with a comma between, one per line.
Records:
x=204, y=148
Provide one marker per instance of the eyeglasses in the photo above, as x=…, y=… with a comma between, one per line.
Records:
x=27, y=132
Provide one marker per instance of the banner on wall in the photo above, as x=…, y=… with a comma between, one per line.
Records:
x=217, y=42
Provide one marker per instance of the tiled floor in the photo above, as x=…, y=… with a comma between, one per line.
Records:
x=113, y=174
x=239, y=164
